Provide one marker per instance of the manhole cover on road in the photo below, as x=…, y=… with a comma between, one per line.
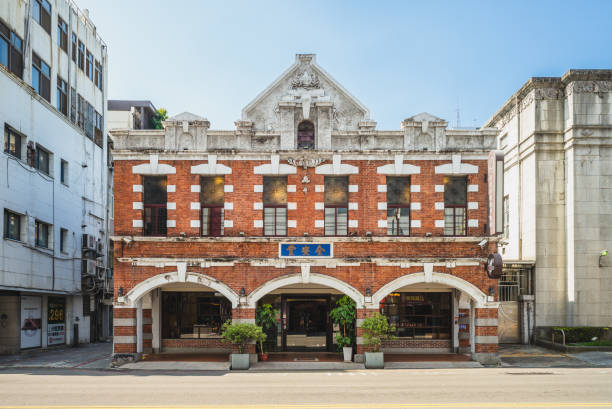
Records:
x=305, y=359
x=529, y=373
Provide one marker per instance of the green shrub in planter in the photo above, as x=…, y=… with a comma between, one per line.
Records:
x=344, y=315
x=581, y=334
x=242, y=334
x=265, y=317
x=376, y=329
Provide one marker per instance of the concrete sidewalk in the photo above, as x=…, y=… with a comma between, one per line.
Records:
x=90, y=356
x=532, y=356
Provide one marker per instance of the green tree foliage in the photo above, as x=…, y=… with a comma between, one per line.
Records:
x=376, y=329
x=242, y=334
x=344, y=315
x=265, y=316
x=160, y=116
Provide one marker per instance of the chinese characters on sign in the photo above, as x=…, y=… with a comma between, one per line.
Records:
x=56, y=328
x=311, y=250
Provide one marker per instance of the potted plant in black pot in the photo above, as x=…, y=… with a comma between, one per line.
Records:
x=344, y=315
x=376, y=329
x=265, y=317
x=241, y=335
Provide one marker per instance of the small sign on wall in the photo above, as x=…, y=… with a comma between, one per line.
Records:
x=305, y=250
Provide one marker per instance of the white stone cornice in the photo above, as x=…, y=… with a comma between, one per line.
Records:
x=275, y=168
x=456, y=167
x=153, y=167
x=337, y=168
x=211, y=168
x=398, y=168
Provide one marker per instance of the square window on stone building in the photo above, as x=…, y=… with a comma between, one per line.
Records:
x=212, y=199
x=336, y=205
x=398, y=206
x=155, y=200
x=12, y=225
x=455, y=205
x=275, y=205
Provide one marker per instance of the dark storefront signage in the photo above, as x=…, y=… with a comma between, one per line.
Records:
x=56, y=324
x=305, y=250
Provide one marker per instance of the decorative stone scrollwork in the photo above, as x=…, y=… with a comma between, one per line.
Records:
x=580, y=87
x=305, y=162
x=305, y=79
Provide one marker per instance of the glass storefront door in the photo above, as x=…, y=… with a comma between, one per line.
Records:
x=305, y=323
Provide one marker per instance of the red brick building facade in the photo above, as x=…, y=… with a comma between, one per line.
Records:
x=304, y=202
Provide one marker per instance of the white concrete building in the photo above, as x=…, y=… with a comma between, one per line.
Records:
x=54, y=178
x=557, y=137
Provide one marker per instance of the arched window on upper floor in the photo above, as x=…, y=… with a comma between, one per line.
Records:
x=306, y=135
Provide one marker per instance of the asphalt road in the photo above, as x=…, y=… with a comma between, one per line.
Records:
x=441, y=388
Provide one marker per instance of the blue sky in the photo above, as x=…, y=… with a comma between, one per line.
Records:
x=399, y=58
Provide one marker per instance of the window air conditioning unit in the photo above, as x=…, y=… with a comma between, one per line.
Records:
x=89, y=242
x=89, y=267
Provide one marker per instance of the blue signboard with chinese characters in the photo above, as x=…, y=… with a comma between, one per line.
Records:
x=305, y=250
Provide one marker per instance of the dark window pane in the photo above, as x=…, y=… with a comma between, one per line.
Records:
x=398, y=190
x=455, y=190
x=212, y=221
x=154, y=189
x=398, y=221
x=43, y=161
x=42, y=234
x=155, y=220
x=12, y=225
x=4, y=52
x=275, y=190
x=211, y=190
x=12, y=142
x=193, y=315
x=336, y=190
x=306, y=138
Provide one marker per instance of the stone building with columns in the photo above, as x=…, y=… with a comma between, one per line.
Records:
x=303, y=203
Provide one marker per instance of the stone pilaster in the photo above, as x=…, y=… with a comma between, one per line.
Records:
x=486, y=341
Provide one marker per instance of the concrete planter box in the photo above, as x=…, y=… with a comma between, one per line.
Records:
x=348, y=354
x=240, y=361
x=374, y=360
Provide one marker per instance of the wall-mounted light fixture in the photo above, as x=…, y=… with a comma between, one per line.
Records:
x=368, y=292
x=603, y=254
x=120, y=292
x=242, y=292
x=492, y=291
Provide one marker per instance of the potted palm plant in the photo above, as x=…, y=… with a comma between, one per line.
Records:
x=241, y=335
x=265, y=317
x=376, y=329
x=344, y=315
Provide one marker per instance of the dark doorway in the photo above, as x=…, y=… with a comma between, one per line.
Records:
x=305, y=323
x=306, y=139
